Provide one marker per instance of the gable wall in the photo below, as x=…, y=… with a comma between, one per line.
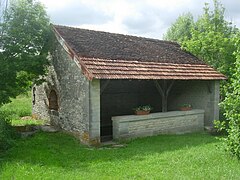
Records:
x=72, y=87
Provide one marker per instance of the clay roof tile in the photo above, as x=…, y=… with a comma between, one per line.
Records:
x=117, y=56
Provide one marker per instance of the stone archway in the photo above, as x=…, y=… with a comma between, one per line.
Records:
x=53, y=100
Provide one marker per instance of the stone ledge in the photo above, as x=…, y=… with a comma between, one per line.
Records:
x=130, y=118
x=174, y=122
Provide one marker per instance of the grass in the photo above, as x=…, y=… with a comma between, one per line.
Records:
x=60, y=156
x=19, y=122
x=18, y=108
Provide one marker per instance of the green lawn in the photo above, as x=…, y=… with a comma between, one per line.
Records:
x=18, y=108
x=60, y=156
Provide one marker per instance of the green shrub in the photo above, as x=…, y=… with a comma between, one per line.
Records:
x=7, y=133
x=231, y=105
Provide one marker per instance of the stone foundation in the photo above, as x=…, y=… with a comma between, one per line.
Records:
x=174, y=122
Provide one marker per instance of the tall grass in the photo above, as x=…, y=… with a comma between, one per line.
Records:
x=19, y=107
x=10, y=114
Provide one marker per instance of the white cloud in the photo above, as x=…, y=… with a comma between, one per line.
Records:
x=55, y=5
x=149, y=18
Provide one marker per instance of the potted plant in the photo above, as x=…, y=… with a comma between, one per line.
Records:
x=185, y=107
x=142, y=110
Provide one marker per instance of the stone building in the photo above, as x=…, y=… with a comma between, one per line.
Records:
x=97, y=78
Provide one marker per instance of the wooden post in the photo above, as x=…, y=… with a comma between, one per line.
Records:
x=164, y=96
x=164, y=92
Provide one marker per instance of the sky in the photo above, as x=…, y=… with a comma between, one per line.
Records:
x=147, y=18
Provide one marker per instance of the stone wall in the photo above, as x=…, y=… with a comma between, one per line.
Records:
x=175, y=122
x=40, y=103
x=72, y=87
x=200, y=94
x=40, y=95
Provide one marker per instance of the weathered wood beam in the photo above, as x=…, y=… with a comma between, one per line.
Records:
x=170, y=87
x=159, y=88
x=165, y=97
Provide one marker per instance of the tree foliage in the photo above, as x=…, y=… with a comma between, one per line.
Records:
x=24, y=47
x=7, y=134
x=217, y=42
x=180, y=29
x=232, y=106
x=212, y=39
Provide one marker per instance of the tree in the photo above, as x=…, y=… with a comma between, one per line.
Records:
x=180, y=30
x=211, y=39
x=231, y=105
x=25, y=41
x=217, y=42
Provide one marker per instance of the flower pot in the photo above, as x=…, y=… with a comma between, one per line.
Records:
x=185, y=108
x=141, y=112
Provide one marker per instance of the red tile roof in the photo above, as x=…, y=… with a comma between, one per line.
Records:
x=121, y=69
x=103, y=55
